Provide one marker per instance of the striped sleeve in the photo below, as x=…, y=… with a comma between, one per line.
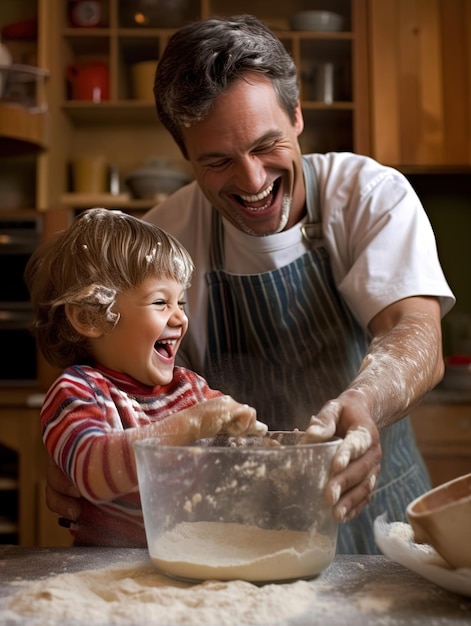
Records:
x=76, y=420
x=87, y=419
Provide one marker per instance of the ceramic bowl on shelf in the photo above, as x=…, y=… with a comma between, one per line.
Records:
x=321, y=21
x=442, y=518
x=250, y=508
x=155, y=178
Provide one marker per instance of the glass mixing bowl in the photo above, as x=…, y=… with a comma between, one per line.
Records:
x=250, y=508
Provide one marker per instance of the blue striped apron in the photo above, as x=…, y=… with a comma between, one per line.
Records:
x=285, y=342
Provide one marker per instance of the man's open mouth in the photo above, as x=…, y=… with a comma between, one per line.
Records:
x=259, y=201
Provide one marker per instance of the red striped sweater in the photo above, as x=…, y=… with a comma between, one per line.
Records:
x=88, y=410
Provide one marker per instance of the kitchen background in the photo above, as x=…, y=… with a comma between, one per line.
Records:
x=78, y=128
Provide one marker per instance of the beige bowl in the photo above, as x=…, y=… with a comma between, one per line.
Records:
x=442, y=518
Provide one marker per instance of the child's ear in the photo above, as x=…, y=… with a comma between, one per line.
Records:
x=74, y=314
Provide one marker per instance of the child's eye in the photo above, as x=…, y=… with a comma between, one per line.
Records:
x=159, y=303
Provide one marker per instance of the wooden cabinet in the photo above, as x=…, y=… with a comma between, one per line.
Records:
x=24, y=515
x=420, y=70
x=443, y=433
x=125, y=129
x=19, y=431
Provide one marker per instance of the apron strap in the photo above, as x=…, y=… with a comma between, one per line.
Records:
x=312, y=229
x=216, y=248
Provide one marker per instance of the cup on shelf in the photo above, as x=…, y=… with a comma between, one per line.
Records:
x=324, y=83
x=142, y=75
x=90, y=174
x=320, y=81
x=89, y=81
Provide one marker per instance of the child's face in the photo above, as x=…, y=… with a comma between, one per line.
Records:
x=144, y=342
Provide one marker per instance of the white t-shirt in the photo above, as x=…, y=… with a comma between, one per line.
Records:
x=380, y=242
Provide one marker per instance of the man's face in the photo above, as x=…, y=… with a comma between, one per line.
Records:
x=247, y=160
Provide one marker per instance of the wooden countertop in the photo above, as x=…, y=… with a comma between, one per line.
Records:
x=21, y=397
x=353, y=590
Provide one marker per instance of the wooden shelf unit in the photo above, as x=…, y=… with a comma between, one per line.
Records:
x=127, y=132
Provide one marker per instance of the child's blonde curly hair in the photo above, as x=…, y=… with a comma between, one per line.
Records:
x=103, y=253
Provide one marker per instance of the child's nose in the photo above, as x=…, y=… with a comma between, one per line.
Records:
x=178, y=316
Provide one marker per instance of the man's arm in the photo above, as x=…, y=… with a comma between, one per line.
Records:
x=403, y=363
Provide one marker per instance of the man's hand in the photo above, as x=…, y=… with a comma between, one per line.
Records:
x=403, y=363
x=357, y=462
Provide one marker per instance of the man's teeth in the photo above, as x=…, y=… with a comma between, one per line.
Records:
x=258, y=196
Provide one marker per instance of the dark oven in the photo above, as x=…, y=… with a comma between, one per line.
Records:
x=19, y=236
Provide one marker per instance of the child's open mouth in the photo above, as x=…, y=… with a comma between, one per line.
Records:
x=165, y=348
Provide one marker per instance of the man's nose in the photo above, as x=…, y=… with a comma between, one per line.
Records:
x=250, y=174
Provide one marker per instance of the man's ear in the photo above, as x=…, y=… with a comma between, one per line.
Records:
x=74, y=314
x=298, y=119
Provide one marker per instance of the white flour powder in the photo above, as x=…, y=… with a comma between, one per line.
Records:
x=138, y=594
x=205, y=550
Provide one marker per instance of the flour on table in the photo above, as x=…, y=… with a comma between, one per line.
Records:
x=140, y=595
x=403, y=532
x=379, y=600
x=204, y=550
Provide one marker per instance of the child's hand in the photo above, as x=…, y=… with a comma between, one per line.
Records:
x=224, y=415
x=207, y=419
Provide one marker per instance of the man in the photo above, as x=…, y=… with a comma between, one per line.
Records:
x=318, y=294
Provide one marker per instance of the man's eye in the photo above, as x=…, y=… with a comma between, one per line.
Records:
x=217, y=165
x=266, y=147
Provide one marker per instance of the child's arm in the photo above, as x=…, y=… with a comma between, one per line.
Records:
x=110, y=465
x=91, y=445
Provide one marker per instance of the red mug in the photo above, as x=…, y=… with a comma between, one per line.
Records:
x=89, y=81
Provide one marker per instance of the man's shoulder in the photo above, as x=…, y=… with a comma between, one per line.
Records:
x=351, y=177
x=182, y=206
x=186, y=215
x=338, y=163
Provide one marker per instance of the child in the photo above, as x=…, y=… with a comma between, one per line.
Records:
x=107, y=295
